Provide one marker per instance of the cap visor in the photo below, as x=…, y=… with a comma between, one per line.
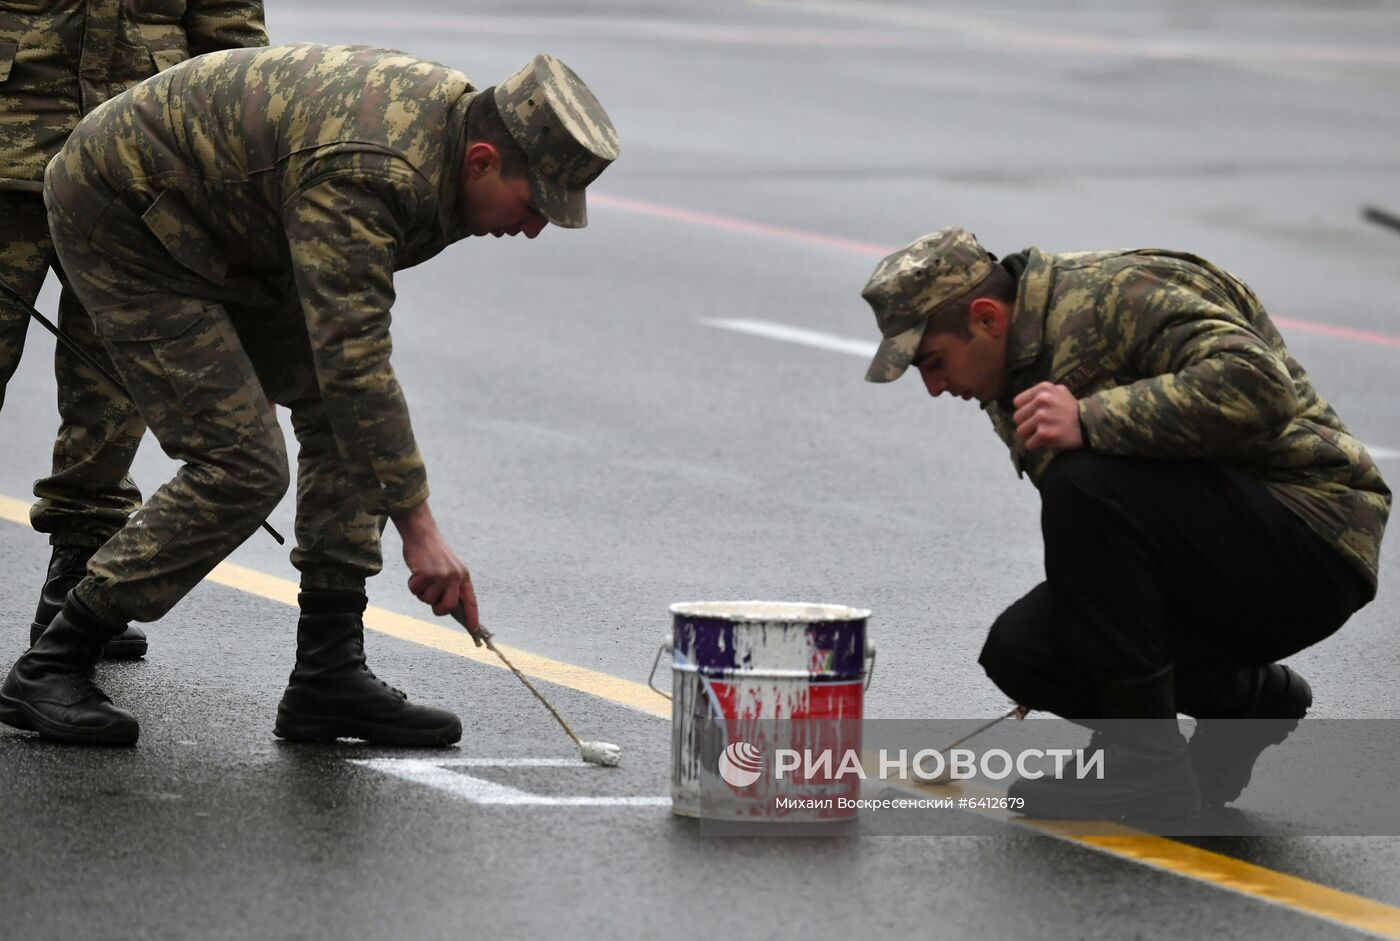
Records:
x=894, y=355
x=562, y=207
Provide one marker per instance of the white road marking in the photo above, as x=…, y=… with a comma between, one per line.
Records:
x=837, y=344
x=436, y=775
x=799, y=335
x=513, y=763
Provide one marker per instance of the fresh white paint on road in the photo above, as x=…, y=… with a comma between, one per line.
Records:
x=440, y=776
x=798, y=335
x=837, y=344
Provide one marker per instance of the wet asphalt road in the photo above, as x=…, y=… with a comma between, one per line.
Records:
x=597, y=452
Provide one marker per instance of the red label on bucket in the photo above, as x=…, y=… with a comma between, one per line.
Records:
x=806, y=738
x=767, y=716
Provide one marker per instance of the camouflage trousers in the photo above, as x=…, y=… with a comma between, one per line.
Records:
x=204, y=364
x=89, y=493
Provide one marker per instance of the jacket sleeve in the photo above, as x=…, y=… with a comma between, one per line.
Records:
x=212, y=25
x=1210, y=383
x=343, y=231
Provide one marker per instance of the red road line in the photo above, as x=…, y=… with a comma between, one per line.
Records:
x=924, y=32
x=1341, y=333
x=870, y=249
x=731, y=224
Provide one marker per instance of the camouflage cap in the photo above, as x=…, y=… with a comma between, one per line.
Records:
x=564, y=132
x=910, y=284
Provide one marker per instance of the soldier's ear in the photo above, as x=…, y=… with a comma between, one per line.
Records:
x=481, y=159
x=989, y=316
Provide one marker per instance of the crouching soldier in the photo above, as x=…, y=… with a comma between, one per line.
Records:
x=1205, y=512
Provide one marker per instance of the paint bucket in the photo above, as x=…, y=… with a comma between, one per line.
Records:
x=754, y=683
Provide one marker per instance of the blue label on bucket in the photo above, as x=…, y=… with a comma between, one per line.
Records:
x=827, y=650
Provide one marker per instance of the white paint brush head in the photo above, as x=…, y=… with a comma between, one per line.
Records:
x=601, y=753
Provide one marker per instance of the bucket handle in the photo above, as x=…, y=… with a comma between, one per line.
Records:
x=665, y=648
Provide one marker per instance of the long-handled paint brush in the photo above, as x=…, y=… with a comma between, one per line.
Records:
x=1380, y=217
x=597, y=753
x=946, y=773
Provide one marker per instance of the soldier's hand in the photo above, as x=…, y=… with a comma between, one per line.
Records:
x=1047, y=417
x=438, y=578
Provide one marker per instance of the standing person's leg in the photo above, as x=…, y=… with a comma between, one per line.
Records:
x=99, y=432
x=24, y=263
x=90, y=493
x=331, y=692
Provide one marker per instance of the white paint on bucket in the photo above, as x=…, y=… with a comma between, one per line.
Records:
x=778, y=611
x=774, y=687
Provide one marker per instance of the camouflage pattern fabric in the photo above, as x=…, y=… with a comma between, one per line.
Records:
x=324, y=167
x=563, y=128
x=197, y=389
x=1172, y=357
x=257, y=203
x=337, y=540
x=89, y=494
x=25, y=255
x=60, y=59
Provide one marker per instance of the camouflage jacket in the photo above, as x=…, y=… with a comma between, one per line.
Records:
x=62, y=58
x=310, y=170
x=1171, y=357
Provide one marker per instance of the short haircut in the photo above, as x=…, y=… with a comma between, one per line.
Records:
x=952, y=316
x=485, y=126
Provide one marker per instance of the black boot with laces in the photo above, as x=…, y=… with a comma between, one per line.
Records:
x=332, y=694
x=50, y=689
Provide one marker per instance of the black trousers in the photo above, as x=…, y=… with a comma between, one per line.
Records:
x=1156, y=562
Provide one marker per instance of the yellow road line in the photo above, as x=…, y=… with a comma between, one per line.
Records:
x=1343, y=908
x=1191, y=862
x=450, y=640
x=1334, y=905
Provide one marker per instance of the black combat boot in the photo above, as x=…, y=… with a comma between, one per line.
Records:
x=67, y=566
x=1146, y=764
x=50, y=689
x=1237, y=719
x=332, y=693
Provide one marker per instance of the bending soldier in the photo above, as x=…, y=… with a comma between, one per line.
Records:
x=233, y=226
